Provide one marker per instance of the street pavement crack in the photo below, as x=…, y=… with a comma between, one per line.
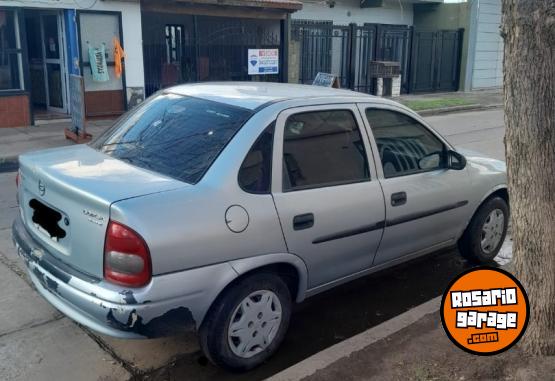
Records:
x=133, y=370
x=14, y=268
x=31, y=326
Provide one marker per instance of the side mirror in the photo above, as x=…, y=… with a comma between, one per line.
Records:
x=455, y=160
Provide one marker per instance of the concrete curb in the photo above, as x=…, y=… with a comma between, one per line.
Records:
x=9, y=164
x=453, y=109
x=356, y=343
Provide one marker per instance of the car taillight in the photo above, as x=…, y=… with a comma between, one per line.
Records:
x=126, y=257
x=17, y=179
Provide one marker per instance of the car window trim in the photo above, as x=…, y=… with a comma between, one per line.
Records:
x=331, y=184
x=363, y=106
x=277, y=164
x=271, y=125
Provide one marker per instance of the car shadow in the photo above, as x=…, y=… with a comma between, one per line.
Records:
x=340, y=313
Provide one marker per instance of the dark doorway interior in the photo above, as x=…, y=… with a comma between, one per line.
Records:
x=186, y=48
x=46, y=66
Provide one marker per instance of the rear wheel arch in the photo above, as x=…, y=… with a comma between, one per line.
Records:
x=289, y=267
x=286, y=271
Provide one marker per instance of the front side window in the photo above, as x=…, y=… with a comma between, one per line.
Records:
x=10, y=52
x=255, y=174
x=323, y=148
x=174, y=135
x=405, y=145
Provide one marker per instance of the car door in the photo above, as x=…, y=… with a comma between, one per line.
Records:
x=325, y=189
x=425, y=202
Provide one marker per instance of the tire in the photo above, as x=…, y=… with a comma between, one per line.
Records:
x=222, y=350
x=471, y=243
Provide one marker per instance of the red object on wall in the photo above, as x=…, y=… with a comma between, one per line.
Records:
x=14, y=111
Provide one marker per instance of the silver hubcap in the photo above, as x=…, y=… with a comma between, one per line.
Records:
x=254, y=323
x=492, y=231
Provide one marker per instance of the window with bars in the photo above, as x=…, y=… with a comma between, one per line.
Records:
x=10, y=51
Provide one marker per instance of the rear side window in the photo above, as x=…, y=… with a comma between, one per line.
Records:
x=323, y=148
x=174, y=135
x=255, y=174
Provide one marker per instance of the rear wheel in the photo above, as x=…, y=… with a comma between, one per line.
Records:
x=486, y=232
x=247, y=323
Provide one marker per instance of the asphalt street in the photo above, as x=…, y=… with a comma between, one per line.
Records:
x=27, y=323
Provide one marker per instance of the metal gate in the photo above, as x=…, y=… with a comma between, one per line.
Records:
x=204, y=48
x=435, y=62
x=346, y=51
x=319, y=47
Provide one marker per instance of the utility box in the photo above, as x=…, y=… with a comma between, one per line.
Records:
x=386, y=76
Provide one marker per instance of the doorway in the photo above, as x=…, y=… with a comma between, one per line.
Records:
x=46, y=63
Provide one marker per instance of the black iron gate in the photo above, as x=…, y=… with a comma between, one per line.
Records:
x=346, y=51
x=435, y=62
x=320, y=47
x=204, y=48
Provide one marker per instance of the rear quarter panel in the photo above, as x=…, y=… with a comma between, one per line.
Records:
x=186, y=228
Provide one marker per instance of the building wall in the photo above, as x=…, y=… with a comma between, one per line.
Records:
x=487, y=69
x=349, y=11
x=14, y=111
x=131, y=25
x=134, y=74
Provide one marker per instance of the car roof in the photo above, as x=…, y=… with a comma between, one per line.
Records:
x=255, y=95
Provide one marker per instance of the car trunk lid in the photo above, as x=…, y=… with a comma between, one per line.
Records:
x=65, y=196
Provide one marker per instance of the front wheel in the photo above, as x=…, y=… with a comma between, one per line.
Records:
x=486, y=232
x=247, y=323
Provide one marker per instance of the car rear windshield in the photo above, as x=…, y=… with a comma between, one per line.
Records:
x=174, y=135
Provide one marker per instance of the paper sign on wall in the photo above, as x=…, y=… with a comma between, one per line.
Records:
x=263, y=61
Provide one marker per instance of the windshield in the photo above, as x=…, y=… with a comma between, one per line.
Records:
x=174, y=135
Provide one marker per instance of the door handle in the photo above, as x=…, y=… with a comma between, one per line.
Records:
x=399, y=198
x=303, y=221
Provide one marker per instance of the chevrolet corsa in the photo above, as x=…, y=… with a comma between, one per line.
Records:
x=215, y=207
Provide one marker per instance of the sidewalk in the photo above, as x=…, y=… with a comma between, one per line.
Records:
x=422, y=352
x=18, y=140
x=39, y=343
x=413, y=346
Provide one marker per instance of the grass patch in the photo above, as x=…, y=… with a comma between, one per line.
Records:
x=430, y=104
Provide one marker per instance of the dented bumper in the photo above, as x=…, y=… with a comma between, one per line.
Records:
x=170, y=304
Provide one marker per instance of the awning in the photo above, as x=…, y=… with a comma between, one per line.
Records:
x=276, y=9
x=286, y=5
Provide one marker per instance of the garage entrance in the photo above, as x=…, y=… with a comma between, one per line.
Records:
x=185, y=43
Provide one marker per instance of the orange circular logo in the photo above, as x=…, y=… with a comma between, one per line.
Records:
x=485, y=311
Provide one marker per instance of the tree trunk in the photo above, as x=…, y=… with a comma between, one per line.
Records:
x=528, y=28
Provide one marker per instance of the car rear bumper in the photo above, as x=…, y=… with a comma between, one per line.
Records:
x=170, y=304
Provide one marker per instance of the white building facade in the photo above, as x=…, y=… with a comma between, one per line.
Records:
x=43, y=43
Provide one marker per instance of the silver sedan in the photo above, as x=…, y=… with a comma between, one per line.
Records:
x=214, y=207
